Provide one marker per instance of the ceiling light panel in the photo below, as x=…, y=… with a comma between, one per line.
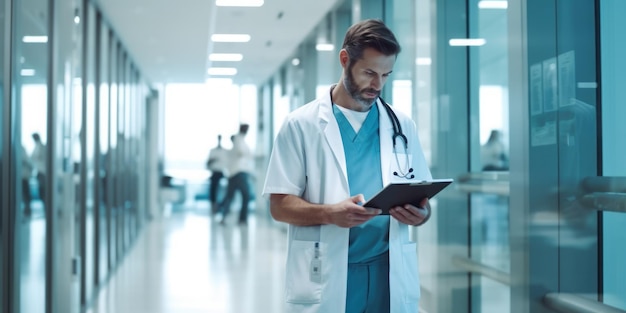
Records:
x=467, y=42
x=35, y=39
x=230, y=38
x=232, y=57
x=27, y=72
x=324, y=47
x=423, y=61
x=491, y=4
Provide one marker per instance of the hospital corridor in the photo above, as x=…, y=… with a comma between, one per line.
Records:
x=220, y=156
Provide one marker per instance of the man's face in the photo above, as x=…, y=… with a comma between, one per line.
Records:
x=364, y=78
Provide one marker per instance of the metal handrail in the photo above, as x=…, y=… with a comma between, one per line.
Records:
x=604, y=193
x=472, y=266
x=606, y=201
x=491, y=182
x=569, y=303
x=560, y=302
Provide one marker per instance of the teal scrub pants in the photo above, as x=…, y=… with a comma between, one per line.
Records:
x=368, y=287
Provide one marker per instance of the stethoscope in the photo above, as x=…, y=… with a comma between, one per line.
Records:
x=397, y=133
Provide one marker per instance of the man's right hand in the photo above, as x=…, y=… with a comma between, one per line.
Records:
x=350, y=213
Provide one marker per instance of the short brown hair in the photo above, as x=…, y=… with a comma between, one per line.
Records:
x=371, y=33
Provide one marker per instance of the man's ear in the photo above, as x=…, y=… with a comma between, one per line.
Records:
x=344, y=58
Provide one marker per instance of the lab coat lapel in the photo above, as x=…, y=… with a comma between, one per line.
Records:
x=330, y=128
x=386, y=144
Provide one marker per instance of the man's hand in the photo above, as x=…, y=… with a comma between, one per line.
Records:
x=410, y=214
x=350, y=213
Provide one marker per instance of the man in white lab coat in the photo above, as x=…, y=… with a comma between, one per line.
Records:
x=328, y=158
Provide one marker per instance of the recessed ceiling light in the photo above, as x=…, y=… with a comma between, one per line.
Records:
x=467, y=42
x=35, y=39
x=27, y=72
x=229, y=71
x=423, y=61
x=324, y=47
x=226, y=57
x=230, y=38
x=239, y=3
x=491, y=4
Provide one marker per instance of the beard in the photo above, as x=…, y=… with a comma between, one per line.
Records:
x=355, y=92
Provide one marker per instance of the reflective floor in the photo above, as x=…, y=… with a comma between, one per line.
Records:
x=187, y=262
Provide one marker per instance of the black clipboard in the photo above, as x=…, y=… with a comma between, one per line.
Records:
x=406, y=193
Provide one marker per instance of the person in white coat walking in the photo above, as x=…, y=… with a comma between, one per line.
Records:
x=240, y=168
x=217, y=164
x=329, y=157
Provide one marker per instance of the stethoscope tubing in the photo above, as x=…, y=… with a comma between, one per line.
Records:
x=397, y=128
x=397, y=132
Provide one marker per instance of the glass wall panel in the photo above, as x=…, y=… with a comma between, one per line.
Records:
x=399, y=89
x=30, y=72
x=138, y=155
x=488, y=83
x=444, y=246
x=121, y=150
x=423, y=83
x=562, y=79
x=542, y=151
x=103, y=150
x=422, y=90
x=112, y=173
x=88, y=150
x=613, y=47
x=132, y=155
x=326, y=61
x=577, y=146
x=78, y=156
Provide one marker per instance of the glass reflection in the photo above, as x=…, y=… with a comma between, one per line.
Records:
x=30, y=50
x=490, y=246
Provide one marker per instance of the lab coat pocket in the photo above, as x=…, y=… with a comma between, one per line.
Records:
x=305, y=276
x=411, y=279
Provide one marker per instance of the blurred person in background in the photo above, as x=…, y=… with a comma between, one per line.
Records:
x=493, y=153
x=217, y=163
x=38, y=158
x=241, y=166
x=27, y=172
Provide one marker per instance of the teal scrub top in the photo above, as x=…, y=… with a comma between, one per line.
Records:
x=370, y=240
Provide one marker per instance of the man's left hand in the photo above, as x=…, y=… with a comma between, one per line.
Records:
x=410, y=214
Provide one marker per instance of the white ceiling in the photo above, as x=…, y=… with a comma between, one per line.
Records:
x=169, y=40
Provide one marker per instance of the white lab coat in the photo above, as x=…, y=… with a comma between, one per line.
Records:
x=308, y=160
